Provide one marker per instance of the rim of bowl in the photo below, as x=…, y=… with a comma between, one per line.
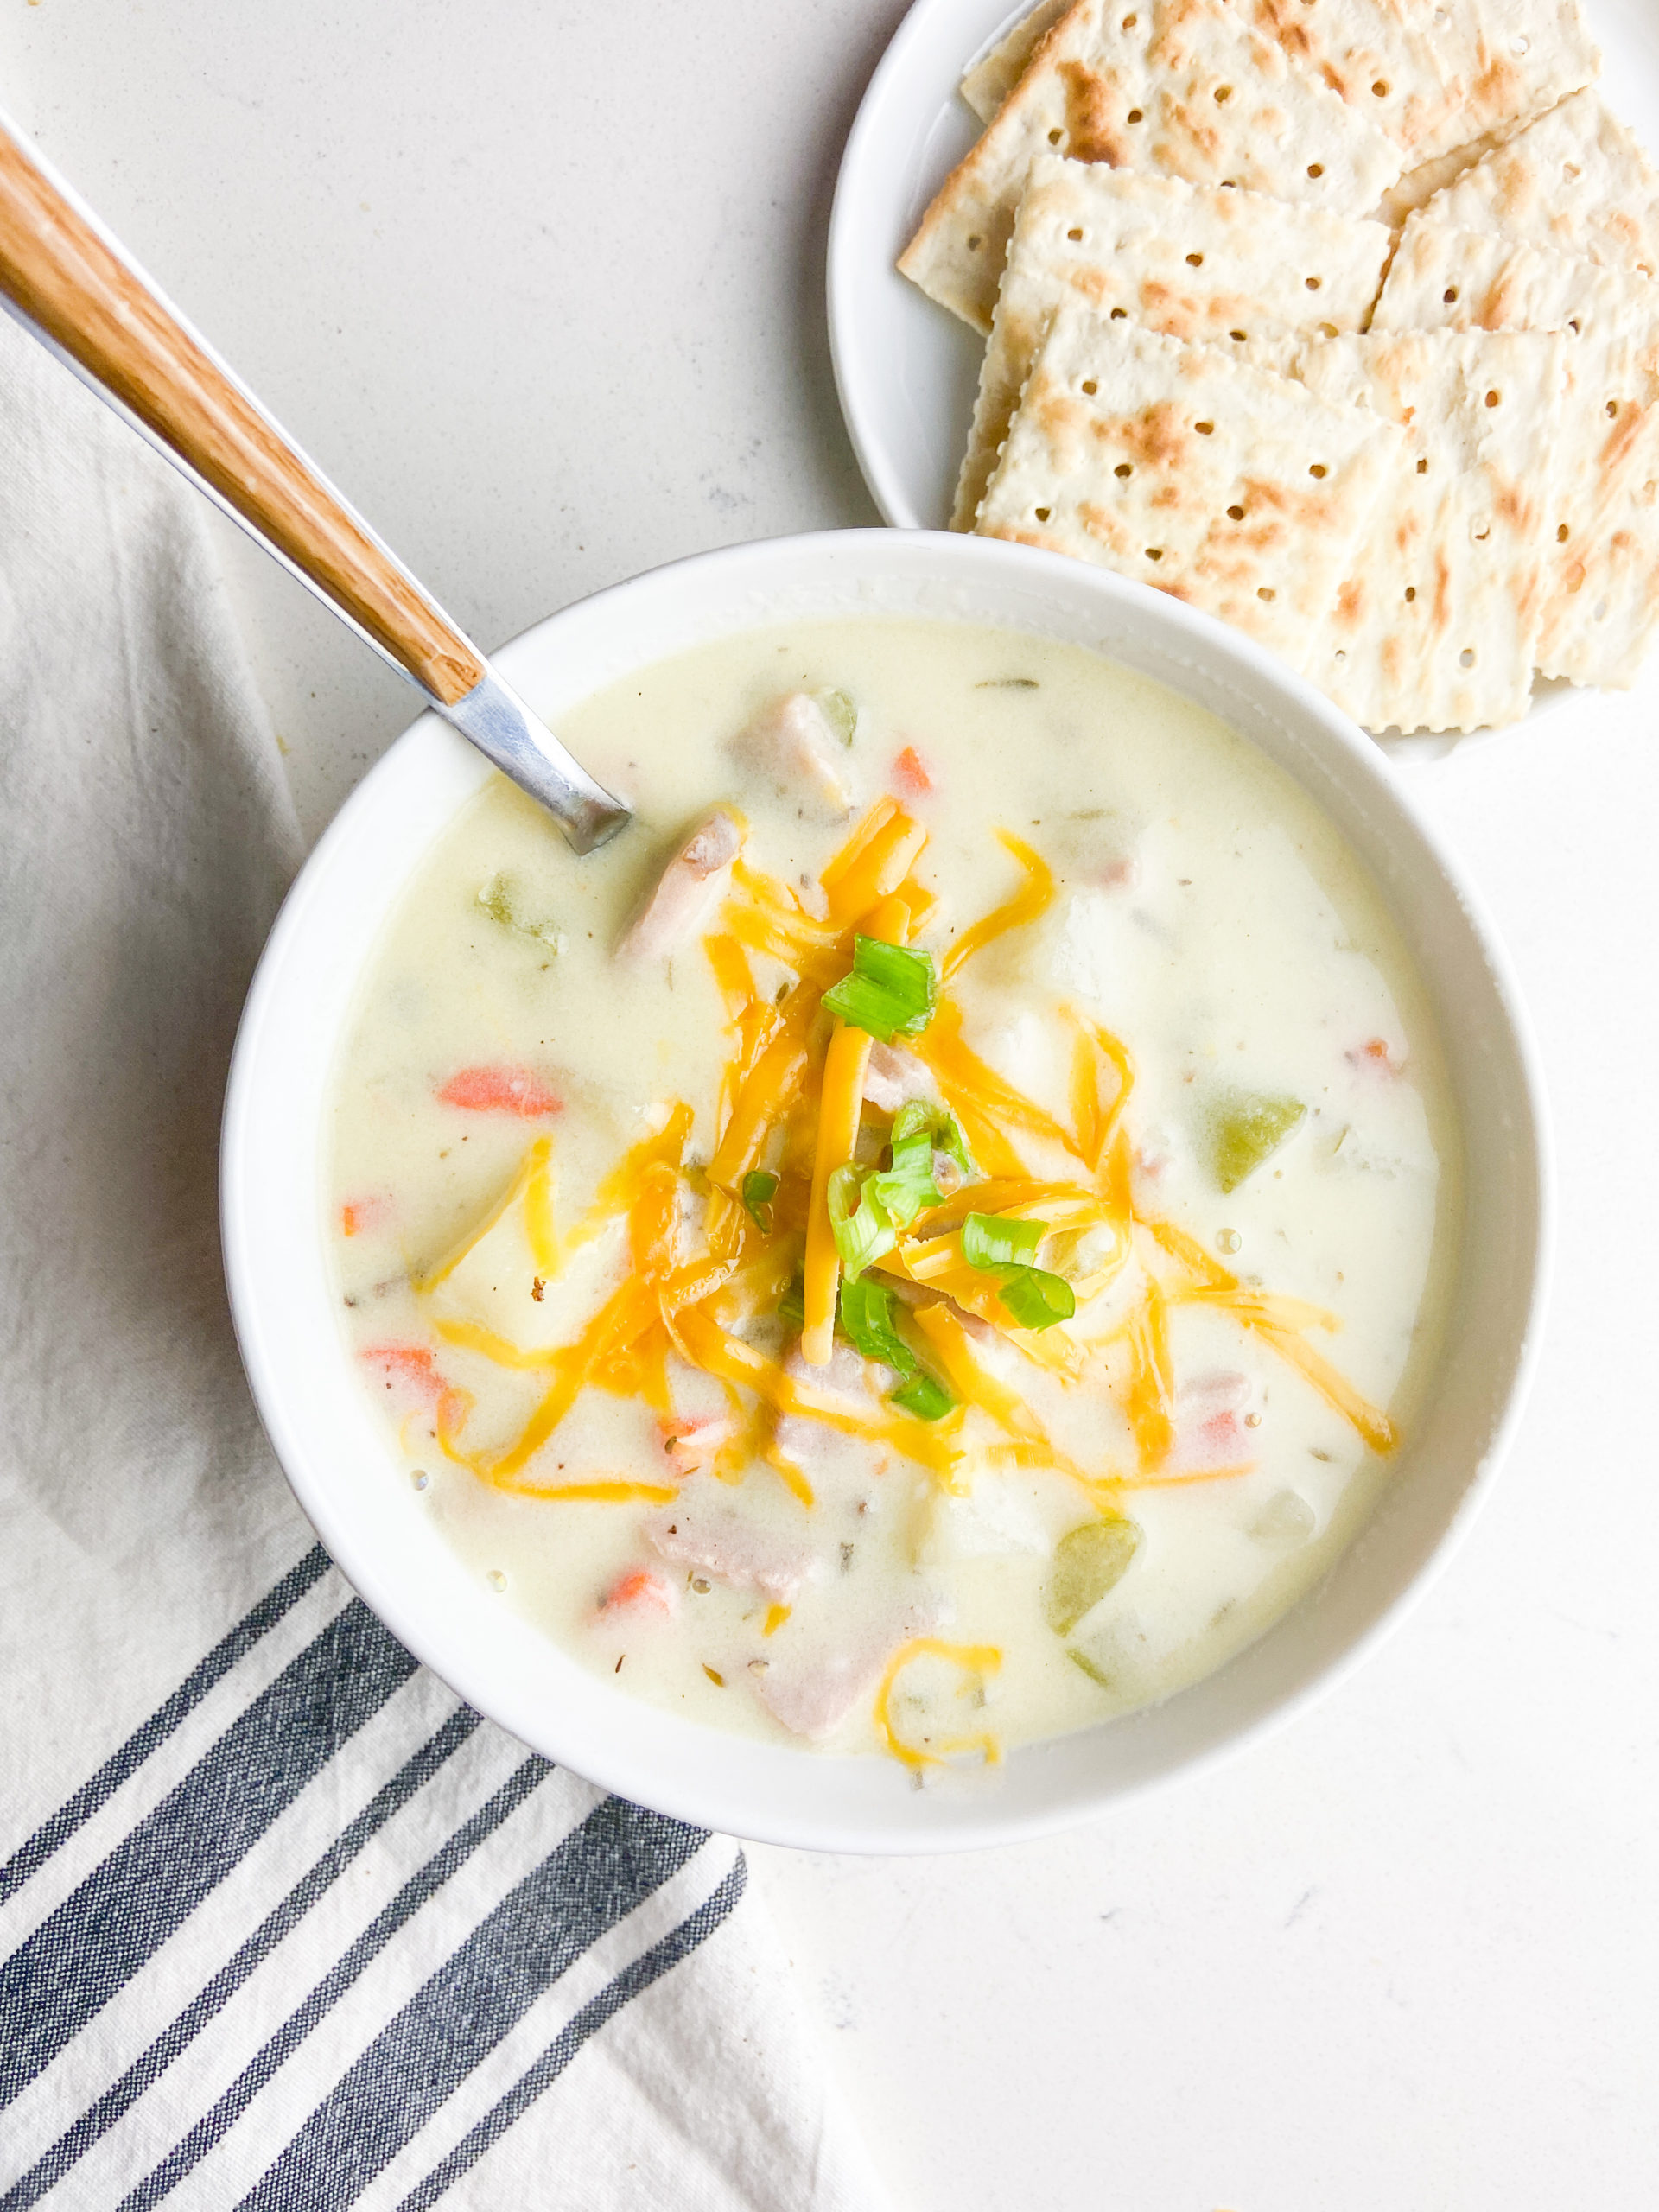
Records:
x=965, y=1820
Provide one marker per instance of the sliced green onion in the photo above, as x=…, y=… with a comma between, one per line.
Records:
x=949, y=1138
x=759, y=1189
x=924, y=1395
x=990, y=1239
x=863, y=1230
x=867, y=1316
x=1036, y=1299
x=891, y=992
x=791, y=1307
x=906, y=1187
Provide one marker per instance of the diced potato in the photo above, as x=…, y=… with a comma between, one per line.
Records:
x=1088, y=1562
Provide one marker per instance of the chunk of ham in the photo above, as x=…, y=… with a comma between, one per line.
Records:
x=893, y=1076
x=813, y=1693
x=790, y=743
x=707, y=1530
x=688, y=889
x=1209, y=1428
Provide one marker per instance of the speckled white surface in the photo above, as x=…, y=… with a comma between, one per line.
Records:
x=541, y=285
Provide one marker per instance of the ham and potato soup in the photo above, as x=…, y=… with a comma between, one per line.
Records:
x=930, y=1240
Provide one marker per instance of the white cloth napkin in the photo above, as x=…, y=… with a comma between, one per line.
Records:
x=282, y=1925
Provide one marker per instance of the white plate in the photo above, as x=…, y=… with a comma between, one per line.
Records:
x=906, y=371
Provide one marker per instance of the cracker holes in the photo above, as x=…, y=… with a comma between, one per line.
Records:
x=1481, y=536
x=1613, y=408
x=1574, y=325
x=1466, y=658
x=1223, y=93
x=1265, y=591
x=1571, y=171
x=1135, y=114
x=1123, y=470
x=1195, y=261
x=1205, y=430
x=1518, y=47
x=1312, y=282
x=1450, y=295
x=1055, y=137
x=1318, y=468
x=1090, y=386
x=1042, y=513
x=1238, y=337
x=1562, y=535
x=1076, y=236
x=1120, y=315
x=1316, y=168
x=1422, y=466
x=1381, y=88
x=1130, y=21
x=1154, y=552
x=1493, y=399
x=1235, y=514
x=1411, y=594
x=974, y=244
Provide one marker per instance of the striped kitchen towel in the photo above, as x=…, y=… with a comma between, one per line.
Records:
x=283, y=1922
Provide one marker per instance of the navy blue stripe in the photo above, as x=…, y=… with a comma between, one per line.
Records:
x=385, y=1925
x=123, y=2094
x=616, y=1858
x=628, y=1985
x=30, y=1857
x=98, y=1938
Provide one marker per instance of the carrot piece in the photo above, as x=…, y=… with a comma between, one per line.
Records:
x=910, y=770
x=414, y=1364
x=840, y=1106
x=1034, y=898
x=638, y=1586
x=499, y=1090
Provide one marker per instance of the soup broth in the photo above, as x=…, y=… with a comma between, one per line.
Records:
x=978, y=1356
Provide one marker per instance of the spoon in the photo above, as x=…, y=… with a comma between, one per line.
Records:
x=68, y=283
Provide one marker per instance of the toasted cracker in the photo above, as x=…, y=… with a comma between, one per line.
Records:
x=994, y=76
x=1419, y=185
x=1230, y=487
x=1176, y=87
x=1436, y=73
x=1575, y=182
x=1443, y=279
x=1435, y=625
x=1601, y=610
x=1206, y=265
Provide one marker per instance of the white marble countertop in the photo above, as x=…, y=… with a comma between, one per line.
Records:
x=540, y=283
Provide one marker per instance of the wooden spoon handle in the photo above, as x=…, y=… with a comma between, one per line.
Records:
x=60, y=270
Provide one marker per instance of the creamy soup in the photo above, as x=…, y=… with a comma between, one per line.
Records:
x=933, y=1238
